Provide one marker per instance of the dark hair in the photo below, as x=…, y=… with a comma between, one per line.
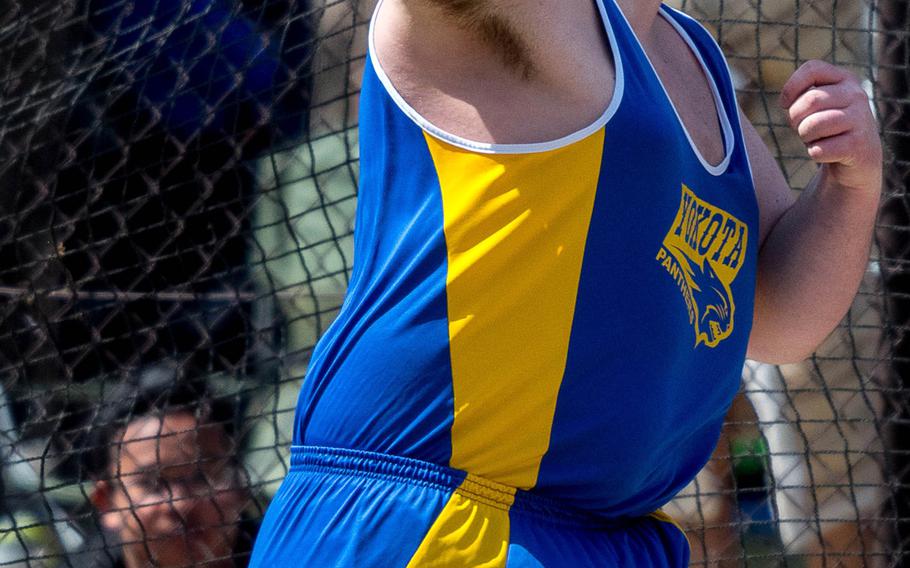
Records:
x=154, y=391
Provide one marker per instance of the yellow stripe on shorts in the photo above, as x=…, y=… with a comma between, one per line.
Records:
x=663, y=517
x=472, y=529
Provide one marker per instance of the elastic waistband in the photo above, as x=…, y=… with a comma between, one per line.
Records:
x=417, y=472
x=373, y=464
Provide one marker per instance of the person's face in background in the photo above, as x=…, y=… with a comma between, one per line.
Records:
x=174, y=495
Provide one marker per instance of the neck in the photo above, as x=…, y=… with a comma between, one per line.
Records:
x=133, y=558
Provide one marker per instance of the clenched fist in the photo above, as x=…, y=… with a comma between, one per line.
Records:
x=830, y=111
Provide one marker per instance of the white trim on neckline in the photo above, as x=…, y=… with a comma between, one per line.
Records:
x=494, y=148
x=720, y=108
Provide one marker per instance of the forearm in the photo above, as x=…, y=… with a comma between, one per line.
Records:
x=810, y=267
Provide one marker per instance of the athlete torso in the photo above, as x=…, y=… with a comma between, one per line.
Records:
x=564, y=314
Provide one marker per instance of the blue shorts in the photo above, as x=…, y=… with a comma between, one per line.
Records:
x=361, y=509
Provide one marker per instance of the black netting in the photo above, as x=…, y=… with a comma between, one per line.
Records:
x=177, y=190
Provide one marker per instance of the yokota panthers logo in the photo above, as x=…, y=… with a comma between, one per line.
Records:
x=703, y=252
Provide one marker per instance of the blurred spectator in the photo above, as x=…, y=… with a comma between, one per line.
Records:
x=168, y=488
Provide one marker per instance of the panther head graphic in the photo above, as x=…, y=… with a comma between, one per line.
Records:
x=715, y=303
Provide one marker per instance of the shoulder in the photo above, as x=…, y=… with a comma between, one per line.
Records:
x=688, y=22
x=702, y=36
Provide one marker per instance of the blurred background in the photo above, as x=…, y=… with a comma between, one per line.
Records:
x=177, y=193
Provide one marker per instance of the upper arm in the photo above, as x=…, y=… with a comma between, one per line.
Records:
x=771, y=189
x=774, y=198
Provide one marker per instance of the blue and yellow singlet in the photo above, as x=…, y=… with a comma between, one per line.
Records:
x=556, y=327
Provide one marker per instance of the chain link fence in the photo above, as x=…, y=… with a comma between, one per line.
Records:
x=177, y=193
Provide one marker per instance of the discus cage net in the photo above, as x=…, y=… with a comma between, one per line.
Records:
x=177, y=191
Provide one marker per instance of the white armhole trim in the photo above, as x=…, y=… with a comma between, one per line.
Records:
x=730, y=75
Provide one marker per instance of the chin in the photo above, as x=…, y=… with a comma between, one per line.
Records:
x=174, y=552
x=181, y=548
